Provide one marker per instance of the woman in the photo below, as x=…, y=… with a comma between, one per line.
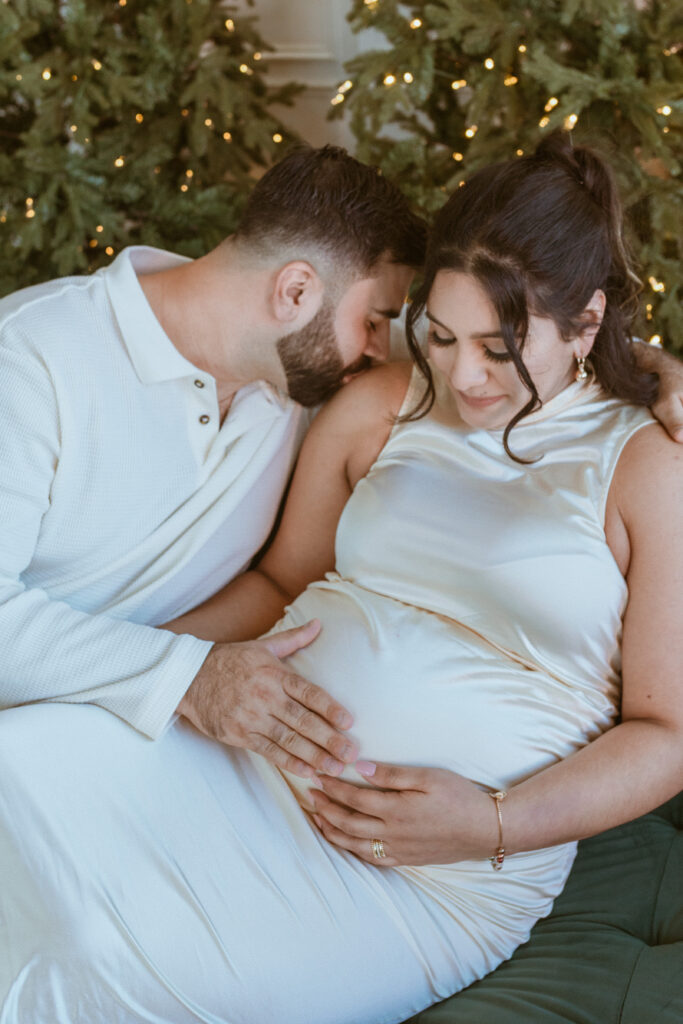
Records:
x=473, y=626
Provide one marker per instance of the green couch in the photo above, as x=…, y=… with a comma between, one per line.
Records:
x=611, y=951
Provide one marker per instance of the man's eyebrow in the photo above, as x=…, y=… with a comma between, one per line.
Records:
x=390, y=314
x=478, y=334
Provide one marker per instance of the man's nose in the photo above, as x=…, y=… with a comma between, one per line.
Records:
x=379, y=342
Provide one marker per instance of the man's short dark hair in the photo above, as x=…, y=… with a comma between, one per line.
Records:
x=327, y=201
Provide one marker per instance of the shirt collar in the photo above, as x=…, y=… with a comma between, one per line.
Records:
x=151, y=351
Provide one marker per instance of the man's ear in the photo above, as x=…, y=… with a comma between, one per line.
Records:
x=297, y=291
x=591, y=319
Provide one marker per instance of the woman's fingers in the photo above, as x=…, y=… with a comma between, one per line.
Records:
x=360, y=847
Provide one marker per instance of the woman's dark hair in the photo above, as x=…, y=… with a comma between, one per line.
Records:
x=541, y=234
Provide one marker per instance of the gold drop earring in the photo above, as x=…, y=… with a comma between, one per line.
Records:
x=581, y=371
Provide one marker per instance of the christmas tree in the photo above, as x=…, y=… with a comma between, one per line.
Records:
x=126, y=122
x=463, y=83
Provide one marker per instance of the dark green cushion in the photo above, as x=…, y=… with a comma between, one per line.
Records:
x=611, y=951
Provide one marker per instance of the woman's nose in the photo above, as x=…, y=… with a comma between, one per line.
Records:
x=468, y=367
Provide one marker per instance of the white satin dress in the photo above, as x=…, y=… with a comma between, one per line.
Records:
x=473, y=623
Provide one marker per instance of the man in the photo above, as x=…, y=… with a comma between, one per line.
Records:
x=146, y=438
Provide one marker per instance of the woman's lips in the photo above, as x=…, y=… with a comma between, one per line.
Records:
x=479, y=403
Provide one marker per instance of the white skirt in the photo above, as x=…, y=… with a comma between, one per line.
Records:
x=180, y=881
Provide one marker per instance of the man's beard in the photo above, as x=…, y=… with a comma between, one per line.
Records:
x=310, y=358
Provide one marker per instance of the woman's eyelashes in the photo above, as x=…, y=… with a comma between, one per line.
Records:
x=495, y=357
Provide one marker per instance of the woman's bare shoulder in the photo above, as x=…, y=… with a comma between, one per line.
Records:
x=371, y=398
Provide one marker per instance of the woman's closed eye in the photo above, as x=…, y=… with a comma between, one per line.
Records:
x=495, y=356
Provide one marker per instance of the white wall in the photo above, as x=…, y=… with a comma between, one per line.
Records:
x=312, y=39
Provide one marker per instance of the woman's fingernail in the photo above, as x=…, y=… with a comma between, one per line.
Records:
x=316, y=783
x=366, y=768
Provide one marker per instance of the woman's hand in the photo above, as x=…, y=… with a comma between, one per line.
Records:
x=422, y=816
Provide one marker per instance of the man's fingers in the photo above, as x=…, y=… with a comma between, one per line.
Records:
x=293, y=743
x=669, y=411
x=316, y=699
x=290, y=640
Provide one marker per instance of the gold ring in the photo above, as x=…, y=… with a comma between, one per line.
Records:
x=378, y=850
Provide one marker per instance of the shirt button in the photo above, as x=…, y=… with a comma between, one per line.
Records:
x=204, y=418
x=199, y=383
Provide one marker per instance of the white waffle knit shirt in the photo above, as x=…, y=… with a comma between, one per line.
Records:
x=123, y=501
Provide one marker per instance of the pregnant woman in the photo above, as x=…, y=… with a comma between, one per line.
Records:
x=488, y=542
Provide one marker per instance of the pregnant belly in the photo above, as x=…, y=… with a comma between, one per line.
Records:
x=424, y=690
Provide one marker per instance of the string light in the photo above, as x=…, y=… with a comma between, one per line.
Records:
x=246, y=70
x=458, y=157
x=109, y=251
x=73, y=127
x=157, y=170
x=227, y=136
x=185, y=112
x=184, y=188
x=345, y=86
x=570, y=121
x=119, y=162
x=74, y=78
x=648, y=315
x=97, y=65
x=489, y=63
x=189, y=173
x=471, y=131
x=3, y=217
x=47, y=74
x=656, y=339
x=660, y=110
x=461, y=183
x=416, y=23
x=552, y=102
x=30, y=213
x=657, y=286
x=257, y=55
x=521, y=48
x=277, y=137
x=93, y=243
x=18, y=77
x=407, y=77
x=230, y=25
x=459, y=83
x=511, y=80
x=519, y=152
x=29, y=201
x=139, y=118
x=208, y=122
x=336, y=100
x=122, y=3
x=665, y=130
x=389, y=79
x=543, y=122
x=99, y=229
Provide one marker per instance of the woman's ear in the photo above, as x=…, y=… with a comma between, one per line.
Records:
x=297, y=292
x=591, y=319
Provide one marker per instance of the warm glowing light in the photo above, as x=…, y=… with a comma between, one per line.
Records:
x=184, y=188
x=157, y=170
x=74, y=78
x=3, y=218
x=47, y=74
x=570, y=121
x=660, y=110
x=543, y=122
x=73, y=127
x=389, y=79
x=30, y=213
x=29, y=201
x=99, y=228
x=119, y=162
x=208, y=122
x=122, y=3
x=657, y=286
x=459, y=83
x=552, y=102
x=345, y=86
x=460, y=184
x=522, y=48
x=189, y=174
x=257, y=55
x=511, y=80
x=489, y=63
x=97, y=65
x=185, y=112
x=230, y=25
x=655, y=339
x=471, y=131
x=109, y=251
x=93, y=243
x=336, y=100
x=665, y=130
x=18, y=78
x=246, y=70
x=407, y=77
x=458, y=157
x=416, y=23
x=519, y=152
x=227, y=136
x=139, y=118
x=277, y=137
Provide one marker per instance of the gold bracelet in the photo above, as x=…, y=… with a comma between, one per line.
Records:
x=499, y=855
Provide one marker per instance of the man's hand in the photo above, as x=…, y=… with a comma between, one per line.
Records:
x=669, y=406
x=244, y=696
x=422, y=816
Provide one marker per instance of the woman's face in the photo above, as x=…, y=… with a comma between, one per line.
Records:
x=466, y=344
